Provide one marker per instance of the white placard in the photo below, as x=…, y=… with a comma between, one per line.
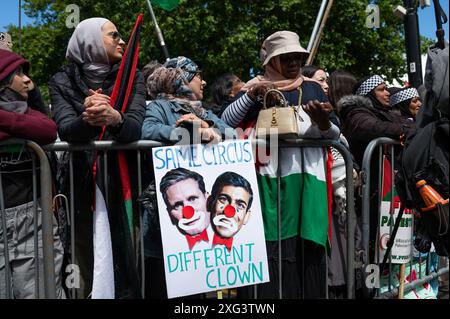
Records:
x=212, y=240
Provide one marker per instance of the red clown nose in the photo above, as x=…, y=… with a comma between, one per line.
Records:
x=229, y=211
x=188, y=212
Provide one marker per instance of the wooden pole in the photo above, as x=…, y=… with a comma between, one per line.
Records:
x=401, y=288
x=316, y=44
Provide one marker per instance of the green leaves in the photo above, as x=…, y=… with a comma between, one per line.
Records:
x=226, y=35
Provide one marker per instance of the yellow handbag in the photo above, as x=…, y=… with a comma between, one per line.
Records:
x=280, y=119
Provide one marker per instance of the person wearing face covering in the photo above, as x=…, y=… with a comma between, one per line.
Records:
x=19, y=120
x=80, y=97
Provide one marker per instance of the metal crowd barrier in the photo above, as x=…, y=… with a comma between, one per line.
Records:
x=104, y=146
x=375, y=146
x=350, y=208
x=47, y=222
x=139, y=146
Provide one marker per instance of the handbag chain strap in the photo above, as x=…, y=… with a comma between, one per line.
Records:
x=283, y=99
x=298, y=107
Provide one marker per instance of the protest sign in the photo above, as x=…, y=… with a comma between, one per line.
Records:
x=389, y=209
x=210, y=217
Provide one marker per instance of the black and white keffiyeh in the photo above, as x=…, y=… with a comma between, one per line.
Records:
x=369, y=84
x=403, y=95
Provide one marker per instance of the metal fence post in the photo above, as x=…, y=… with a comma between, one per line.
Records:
x=47, y=215
x=365, y=169
x=366, y=165
x=47, y=222
x=351, y=216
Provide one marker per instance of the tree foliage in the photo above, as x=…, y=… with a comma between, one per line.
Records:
x=226, y=35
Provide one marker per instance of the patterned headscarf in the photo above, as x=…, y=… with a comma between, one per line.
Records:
x=170, y=84
x=401, y=99
x=403, y=95
x=188, y=67
x=366, y=86
x=369, y=84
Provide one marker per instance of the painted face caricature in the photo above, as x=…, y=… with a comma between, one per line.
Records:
x=185, y=197
x=193, y=221
x=229, y=204
x=226, y=221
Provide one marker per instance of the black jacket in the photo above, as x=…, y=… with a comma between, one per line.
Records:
x=67, y=93
x=362, y=122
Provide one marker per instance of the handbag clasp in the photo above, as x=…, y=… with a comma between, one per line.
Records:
x=274, y=121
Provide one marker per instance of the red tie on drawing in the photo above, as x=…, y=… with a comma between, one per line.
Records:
x=192, y=240
x=227, y=242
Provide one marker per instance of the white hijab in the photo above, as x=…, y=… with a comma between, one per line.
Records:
x=86, y=48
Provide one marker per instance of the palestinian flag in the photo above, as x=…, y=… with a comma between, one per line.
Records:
x=304, y=199
x=388, y=189
x=115, y=273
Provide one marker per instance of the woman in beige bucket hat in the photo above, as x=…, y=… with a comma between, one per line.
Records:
x=303, y=226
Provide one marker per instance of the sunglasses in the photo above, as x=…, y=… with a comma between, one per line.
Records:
x=115, y=35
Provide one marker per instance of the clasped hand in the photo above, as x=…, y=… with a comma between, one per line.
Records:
x=98, y=110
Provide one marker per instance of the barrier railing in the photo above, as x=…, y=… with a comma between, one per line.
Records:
x=139, y=146
x=47, y=233
x=368, y=208
x=350, y=206
x=104, y=146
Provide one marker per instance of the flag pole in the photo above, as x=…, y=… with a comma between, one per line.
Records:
x=316, y=42
x=158, y=31
x=20, y=26
x=316, y=25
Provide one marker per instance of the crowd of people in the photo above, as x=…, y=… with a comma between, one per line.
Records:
x=167, y=99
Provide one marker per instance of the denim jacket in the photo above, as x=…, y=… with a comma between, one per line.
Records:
x=160, y=119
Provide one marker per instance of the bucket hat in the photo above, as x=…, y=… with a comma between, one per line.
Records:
x=282, y=42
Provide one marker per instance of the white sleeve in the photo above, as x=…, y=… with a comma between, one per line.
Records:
x=308, y=129
x=236, y=111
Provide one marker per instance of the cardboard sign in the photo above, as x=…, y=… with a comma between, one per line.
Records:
x=402, y=248
x=210, y=217
x=401, y=251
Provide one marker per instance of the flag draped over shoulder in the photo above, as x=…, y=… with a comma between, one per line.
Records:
x=115, y=274
x=306, y=191
x=304, y=204
x=167, y=5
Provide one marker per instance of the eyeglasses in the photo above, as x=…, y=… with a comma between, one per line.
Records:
x=115, y=35
x=197, y=74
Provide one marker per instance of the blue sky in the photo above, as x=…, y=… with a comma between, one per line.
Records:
x=427, y=24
